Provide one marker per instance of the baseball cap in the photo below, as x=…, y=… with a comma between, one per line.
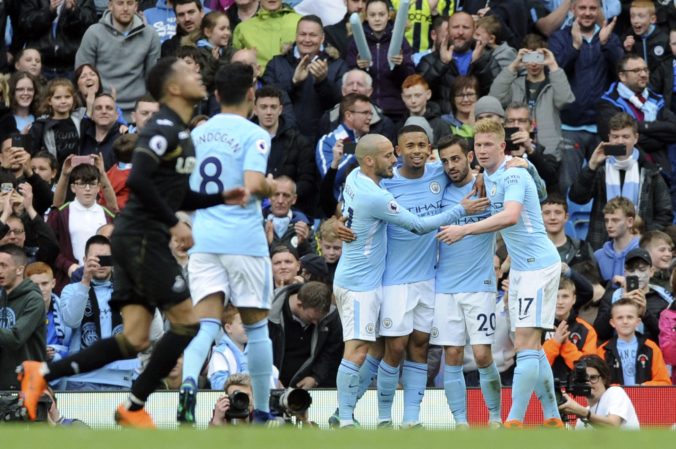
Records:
x=314, y=264
x=638, y=253
x=488, y=105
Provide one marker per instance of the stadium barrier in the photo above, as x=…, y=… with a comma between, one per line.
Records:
x=655, y=406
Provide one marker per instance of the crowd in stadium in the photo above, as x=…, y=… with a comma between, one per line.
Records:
x=585, y=90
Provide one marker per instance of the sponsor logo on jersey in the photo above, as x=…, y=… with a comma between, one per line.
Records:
x=393, y=207
x=158, y=144
x=185, y=165
x=262, y=146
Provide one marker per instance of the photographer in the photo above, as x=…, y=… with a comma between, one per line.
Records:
x=223, y=414
x=608, y=406
x=522, y=142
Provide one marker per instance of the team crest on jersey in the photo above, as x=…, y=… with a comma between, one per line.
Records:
x=494, y=189
x=393, y=207
x=179, y=284
x=387, y=323
x=158, y=144
x=262, y=146
x=370, y=328
x=434, y=332
x=435, y=187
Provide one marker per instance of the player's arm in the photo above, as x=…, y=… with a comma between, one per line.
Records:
x=255, y=166
x=195, y=200
x=256, y=183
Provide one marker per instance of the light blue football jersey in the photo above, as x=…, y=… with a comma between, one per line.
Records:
x=412, y=257
x=368, y=208
x=225, y=147
x=466, y=266
x=527, y=241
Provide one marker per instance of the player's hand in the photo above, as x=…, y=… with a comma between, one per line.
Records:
x=628, y=43
x=239, y=196
x=269, y=232
x=183, y=235
x=598, y=157
x=451, y=234
x=343, y=232
x=561, y=333
x=307, y=383
x=479, y=189
x=302, y=231
x=474, y=206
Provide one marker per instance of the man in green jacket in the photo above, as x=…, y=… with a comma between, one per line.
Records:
x=22, y=317
x=271, y=31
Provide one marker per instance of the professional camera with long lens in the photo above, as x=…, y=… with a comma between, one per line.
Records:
x=239, y=406
x=12, y=410
x=576, y=384
x=290, y=402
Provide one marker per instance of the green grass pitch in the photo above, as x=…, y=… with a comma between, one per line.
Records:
x=261, y=438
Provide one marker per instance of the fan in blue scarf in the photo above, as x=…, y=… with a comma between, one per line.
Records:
x=631, y=187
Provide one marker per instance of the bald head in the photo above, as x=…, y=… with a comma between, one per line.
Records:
x=369, y=145
x=461, y=31
x=247, y=56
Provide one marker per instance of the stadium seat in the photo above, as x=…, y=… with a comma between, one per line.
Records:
x=577, y=225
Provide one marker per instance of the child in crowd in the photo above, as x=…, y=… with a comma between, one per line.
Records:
x=330, y=246
x=659, y=244
x=57, y=131
x=488, y=35
x=632, y=358
x=29, y=60
x=228, y=357
x=644, y=38
x=123, y=148
x=45, y=165
x=572, y=337
x=416, y=94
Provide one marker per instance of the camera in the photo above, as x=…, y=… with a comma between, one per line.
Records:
x=12, y=410
x=576, y=384
x=289, y=402
x=239, y=406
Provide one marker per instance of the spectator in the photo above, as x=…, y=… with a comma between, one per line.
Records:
x=227, y=357
x=144, y=108
x=652, y=299
x=58, y=130
x=310, y=76
x=416, y=93
x=330, y=246
x=189, y=14
x=656, y=123
x=619, y=215
x=543, y=87
x=525, y=143
x=89, y=85
x=387, y=86
x=100, y=131
x=55, y=29
x=608, y=406
x=22, y=317
x=357, y=81
x=461, y=118
x=658, y=244
x=306, y=334
x=555, y=216
x=662, y=78
x=237, y=383
x=587, y=53
x=29, y=60
x=314, y=268
x=123, y=148
x=633, y=358
x=75, y=222
x=438, y=31
x=284, y=226
x=291, y=154
x=21, y=225
x=491, y=45
x=667, y=337
x=338, y=35
x=285, y=266
x=631, y=176
x=162, y=18
x=58, y=334
x=272, y=28
x=123, y=48
x=332, y=160
x=86, y=310
x=24, y=97
x=644, y=38
x=242, y=10
x=572, y=337
x=45, y=165
x=420, y=18
x=454, y=57
x=16, y=168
